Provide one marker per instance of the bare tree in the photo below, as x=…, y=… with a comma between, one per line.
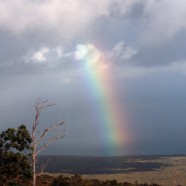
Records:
x=38, y=143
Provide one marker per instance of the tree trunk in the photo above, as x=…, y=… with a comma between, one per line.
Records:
x=34, y=170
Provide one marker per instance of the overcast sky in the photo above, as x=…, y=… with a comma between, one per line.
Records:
x=44, y=47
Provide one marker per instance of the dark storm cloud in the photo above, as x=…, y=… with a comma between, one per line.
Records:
x=144, y=44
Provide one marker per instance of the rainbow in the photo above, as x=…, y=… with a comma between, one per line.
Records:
x=111, y=114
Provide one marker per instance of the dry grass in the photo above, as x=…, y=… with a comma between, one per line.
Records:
x=167, y=176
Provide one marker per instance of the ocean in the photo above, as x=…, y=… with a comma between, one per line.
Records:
x=100, y=165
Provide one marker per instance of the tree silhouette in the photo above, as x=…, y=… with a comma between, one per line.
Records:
x=15, y=155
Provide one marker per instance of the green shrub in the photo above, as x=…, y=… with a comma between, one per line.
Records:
x=15, y=156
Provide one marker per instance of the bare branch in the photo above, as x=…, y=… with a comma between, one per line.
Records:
x=43, y=166
x=49, y=129
x=37, y=139
x=53, y=139
x=40, y=105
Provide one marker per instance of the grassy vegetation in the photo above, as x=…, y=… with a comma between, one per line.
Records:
x=77, y=180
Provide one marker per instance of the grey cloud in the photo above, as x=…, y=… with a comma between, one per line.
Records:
x=164, y=19
x=10, y=48
x=68, y=21
x=126, y=9
x=63, y=17
x=122, y=52
x=64, y=20
x=165, y=53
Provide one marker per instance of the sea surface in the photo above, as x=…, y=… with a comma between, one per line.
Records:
x=100, y=165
